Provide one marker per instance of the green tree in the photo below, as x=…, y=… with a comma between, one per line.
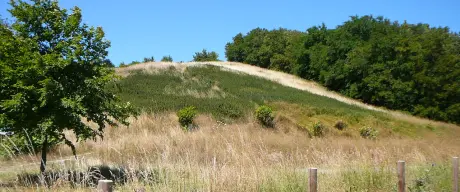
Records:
x=234, y=51
x=410, y=67
x=167, y=59
x=148, y=59
x=54, y=76
x=206, y=56
x=108, y=63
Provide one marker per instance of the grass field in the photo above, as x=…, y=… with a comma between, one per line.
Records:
x=230, y=97
x=231, y=152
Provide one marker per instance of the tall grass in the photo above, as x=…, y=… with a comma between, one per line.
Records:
x=247, y=157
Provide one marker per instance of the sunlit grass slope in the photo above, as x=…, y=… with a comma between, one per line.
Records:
x=230, y=97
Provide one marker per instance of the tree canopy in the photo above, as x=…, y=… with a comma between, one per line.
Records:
x=54, y=71
x=402, y=66
x=205, y=56
x=167, y=59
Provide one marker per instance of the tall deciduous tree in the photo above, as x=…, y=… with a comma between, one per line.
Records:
x=54, y=72
x=411, y=67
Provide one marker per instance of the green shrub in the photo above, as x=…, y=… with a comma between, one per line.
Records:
x=318, y=129
x=206, y=56
x=167, y=59
x=186, y=116
x=265, y=116
x=149, y=59
x=340, y=125
x=368, y=133
x=134, y=62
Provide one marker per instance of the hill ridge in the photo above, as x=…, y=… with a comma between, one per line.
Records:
x=282, y=78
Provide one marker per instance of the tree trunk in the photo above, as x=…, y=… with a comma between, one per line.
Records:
x=44, y=150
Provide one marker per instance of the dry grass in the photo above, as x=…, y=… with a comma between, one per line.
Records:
x=247, y=157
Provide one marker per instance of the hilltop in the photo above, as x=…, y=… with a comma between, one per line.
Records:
x=232, y=90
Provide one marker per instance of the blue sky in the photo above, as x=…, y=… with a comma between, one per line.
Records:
x=143, y=28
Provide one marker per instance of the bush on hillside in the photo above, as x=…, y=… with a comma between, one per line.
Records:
x=206, y=56
x=134, y=62
x=186, y=116
x=368, y=133
x=149, y=59
x=167, y=59
x=264, y=115
x=318, y=129
x=340, y=125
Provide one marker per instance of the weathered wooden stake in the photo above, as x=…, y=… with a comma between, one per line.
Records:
x=313, y=179
x=455, y=174
x=105, y=186
x=401, y=176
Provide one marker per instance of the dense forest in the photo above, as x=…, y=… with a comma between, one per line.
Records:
x=402, y=66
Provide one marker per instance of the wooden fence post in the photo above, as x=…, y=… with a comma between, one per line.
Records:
x=105, y=186
x=455, y=174
x=313, y=179
x=401, y=176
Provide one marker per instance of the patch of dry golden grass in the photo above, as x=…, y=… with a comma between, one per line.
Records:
x=243, y=155
x=247, y=157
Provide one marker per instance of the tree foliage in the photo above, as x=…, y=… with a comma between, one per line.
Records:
x=167, y=59
x=54, y=72
x=410, y=67
x=206, y=56
x=148, y=59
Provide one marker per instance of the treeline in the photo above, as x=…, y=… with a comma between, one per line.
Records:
x=167, y=58
x=202, y=56
x=409, y=67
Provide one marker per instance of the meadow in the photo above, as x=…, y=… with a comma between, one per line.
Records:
x=231, y=151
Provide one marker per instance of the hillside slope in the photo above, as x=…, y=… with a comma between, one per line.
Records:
x=283, y=79
x=231, y=151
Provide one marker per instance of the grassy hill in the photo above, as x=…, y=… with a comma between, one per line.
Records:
x=233, y=96
x=231, y=151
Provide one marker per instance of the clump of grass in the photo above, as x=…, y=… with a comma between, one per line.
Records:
x=264, y=115
x=434, y=177
x=284, y=181
x=368, y=133
x=430, y=127
x=368, y=178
